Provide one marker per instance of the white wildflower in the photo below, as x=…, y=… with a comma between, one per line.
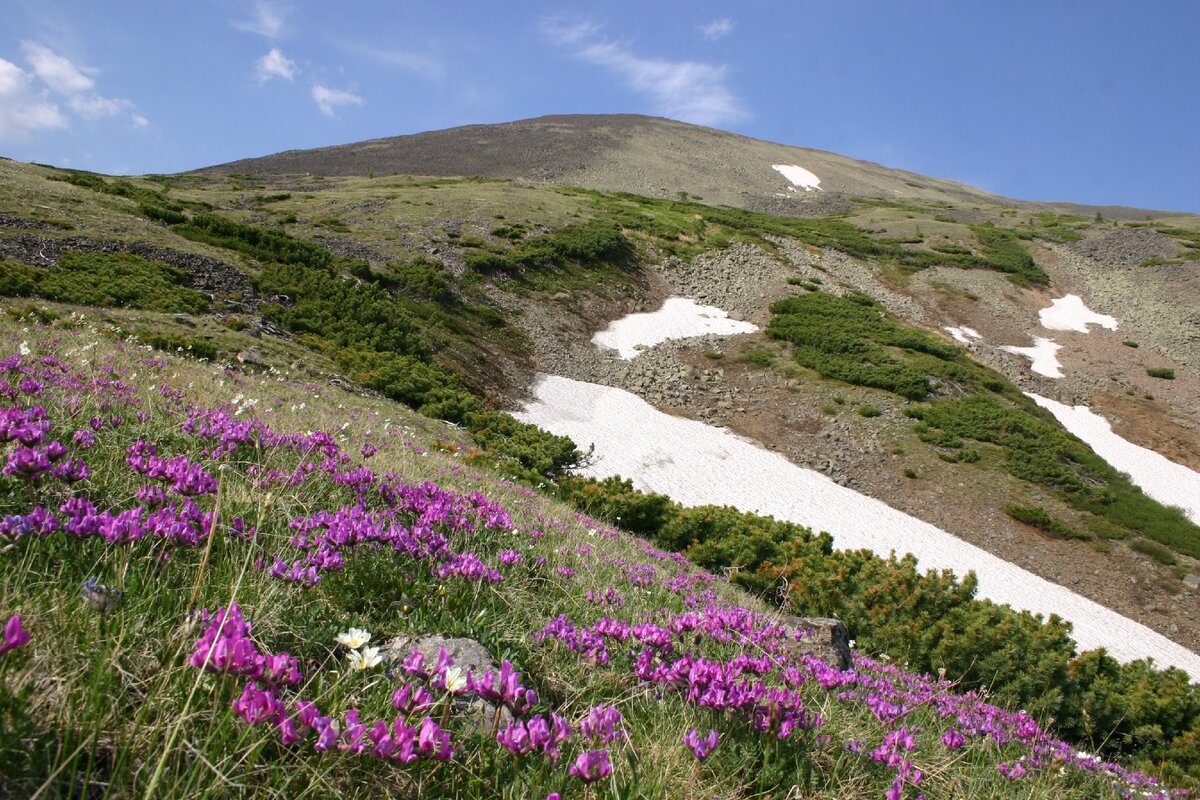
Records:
x=354, y=638
x=455, y=680
x=366, y=658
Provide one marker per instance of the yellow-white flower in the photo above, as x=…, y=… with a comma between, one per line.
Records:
x=366, y=658
x=456, y=680
x=354, y=638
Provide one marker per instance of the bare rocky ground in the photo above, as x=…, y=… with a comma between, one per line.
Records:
x=816, y=424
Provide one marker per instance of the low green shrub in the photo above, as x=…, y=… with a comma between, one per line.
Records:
x=1166, y=373
x=1155, y=550
x=1039, y=518
x=106, y=280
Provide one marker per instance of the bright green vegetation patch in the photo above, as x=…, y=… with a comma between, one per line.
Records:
x=1054, y=227
x=259, y=243
x=541, y=262
x=686, y=229
x=1040, y=518
x=1003, y=251
x=851, y=339
x=106, y=280
x=1166, y=373
x=1039, y=451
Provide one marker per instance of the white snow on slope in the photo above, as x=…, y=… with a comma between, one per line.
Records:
x=1070, y=314
x=1167, y=482
x=1043, y=354
x=798, y=176
x=963, y=334
x=679, y=318
x=697, y=464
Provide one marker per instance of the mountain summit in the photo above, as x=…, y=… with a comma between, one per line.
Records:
x=615, y=152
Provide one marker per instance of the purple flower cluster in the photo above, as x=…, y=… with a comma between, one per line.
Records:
x=184, y=476
x=226, y=647
x=538, y=733
x=15, y=635
x=701, y=747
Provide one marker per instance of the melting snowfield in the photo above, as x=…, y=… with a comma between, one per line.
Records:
x=679, y=318
x=1043, y=354
x=1167, y=482
x=798, y=176
x=963, y=334
x=697, y=464
x=1070, y=314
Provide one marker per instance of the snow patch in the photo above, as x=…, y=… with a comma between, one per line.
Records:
x=696, y=464
x=679, y=318
x=1167, y=482
x=963, y=334
x=1070, y=314
x=1043, y=356
x=798, y=176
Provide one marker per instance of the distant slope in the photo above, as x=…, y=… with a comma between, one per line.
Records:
x=618, y=152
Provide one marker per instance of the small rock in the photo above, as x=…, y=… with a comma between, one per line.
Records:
x=469, y=656
x=827, y=640
x=251, y=356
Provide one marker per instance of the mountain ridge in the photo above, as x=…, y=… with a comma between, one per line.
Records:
x=661, y=158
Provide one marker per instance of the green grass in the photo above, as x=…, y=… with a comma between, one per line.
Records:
x=1165, y=373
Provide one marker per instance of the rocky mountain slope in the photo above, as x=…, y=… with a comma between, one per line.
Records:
x=631, y=153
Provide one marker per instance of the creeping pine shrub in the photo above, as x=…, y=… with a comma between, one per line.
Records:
x=586, y=244
x=106, y=280
x=1038, y=451
x=1039, y=518
x=848, y=339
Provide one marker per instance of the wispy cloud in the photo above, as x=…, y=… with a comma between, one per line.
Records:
x=274, y=64
x=94, y=106
x=686, y=90
x=717, y=29
x=265, y=19
x=328, y=100
x=415, y=63
x=23, y=111
x=60, y=75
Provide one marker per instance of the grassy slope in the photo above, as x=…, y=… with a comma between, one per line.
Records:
x=417, y=214
x=107, y=703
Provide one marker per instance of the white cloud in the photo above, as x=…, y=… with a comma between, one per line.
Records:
x=329, y=99
x=22, y=110
x=93, y=106
x=412, y=62
x=717, y=29
x=265, y=20
x=274, y=65
x=59, y=73
x=686, y=90
x=72, y=81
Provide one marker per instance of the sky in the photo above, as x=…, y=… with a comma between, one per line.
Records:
x=1092, y=102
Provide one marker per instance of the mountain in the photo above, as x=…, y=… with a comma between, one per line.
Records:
x=642, y=155
x=446, y=271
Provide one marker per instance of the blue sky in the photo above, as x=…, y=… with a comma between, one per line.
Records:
x=1095, y=102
